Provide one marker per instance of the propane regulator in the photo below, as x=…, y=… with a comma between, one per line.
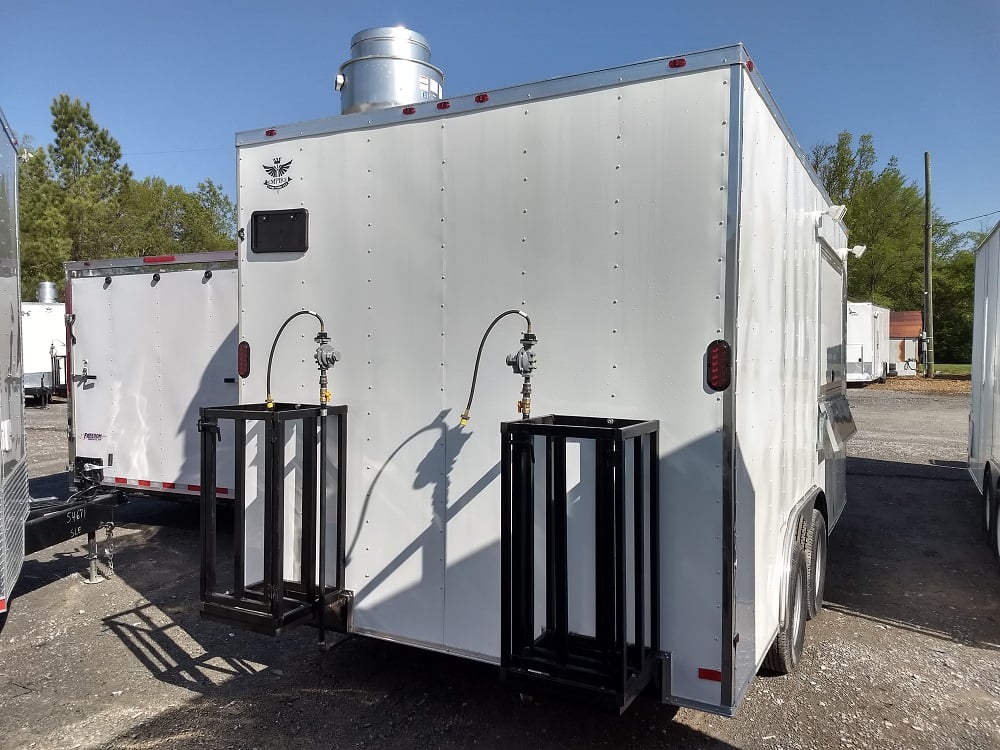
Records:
x=325, y=357
x=523, y=363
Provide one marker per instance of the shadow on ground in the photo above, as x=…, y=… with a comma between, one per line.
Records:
x=909, y=552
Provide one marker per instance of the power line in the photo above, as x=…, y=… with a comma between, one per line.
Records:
x=178, y=151
x=962, y=221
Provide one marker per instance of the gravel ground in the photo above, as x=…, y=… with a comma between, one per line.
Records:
x=905, y=655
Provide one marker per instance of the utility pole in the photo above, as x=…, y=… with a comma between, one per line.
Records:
x=928, y=277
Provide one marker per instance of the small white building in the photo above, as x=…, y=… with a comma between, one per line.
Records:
x=905, y=328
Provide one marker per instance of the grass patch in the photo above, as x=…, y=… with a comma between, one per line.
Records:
x=953, y=369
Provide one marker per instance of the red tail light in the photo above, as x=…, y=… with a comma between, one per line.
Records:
x=243, y=359
x=719, y=365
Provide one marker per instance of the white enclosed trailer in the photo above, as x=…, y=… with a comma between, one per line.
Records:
x=151, y=340
x=43, y=325
x=14, y=499
x=680, y=264
x=984, y=437
x=867, y=342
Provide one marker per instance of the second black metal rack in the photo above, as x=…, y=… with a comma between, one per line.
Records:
x=617, y=659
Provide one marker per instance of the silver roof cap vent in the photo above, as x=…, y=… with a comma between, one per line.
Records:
x=47, y=292
x=390, y=66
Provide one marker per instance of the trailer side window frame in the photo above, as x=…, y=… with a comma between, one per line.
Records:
x=279, y=231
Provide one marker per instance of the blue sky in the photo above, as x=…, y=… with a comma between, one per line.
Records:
x=174, y=82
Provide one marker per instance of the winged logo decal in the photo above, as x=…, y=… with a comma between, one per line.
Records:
x=276, y=174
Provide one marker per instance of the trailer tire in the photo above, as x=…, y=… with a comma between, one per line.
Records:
x=814, y=544
x=989, y=512
x=786, y=651
x=995, y=536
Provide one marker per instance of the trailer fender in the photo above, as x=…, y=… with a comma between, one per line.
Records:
x=801, y=513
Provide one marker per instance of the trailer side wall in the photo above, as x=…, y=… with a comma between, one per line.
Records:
x=983, y=416
x=790, y=327
x=14, y=497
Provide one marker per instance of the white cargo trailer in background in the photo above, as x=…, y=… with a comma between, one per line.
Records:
x=151, y=341
x=984, y=438
x=680, y=264
x=14, y=499
x=43, y=326
x=867, y=342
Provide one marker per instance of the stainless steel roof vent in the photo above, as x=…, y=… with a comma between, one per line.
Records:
x=47, y=292
x=389, y=66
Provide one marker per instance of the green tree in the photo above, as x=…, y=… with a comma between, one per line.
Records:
x=85, y=161
x=221, y=208
x=885, y=212
x=79, y=202
x=155, y=218
x=45, y=243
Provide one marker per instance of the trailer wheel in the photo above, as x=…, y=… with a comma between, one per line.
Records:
x=813, y=536
x=786, y=651
x=989, y=512
x=995, y=536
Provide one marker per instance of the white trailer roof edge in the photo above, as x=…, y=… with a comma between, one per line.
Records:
x=657, y=67
x=987, y=237
x=152, y=263
x=8, y=131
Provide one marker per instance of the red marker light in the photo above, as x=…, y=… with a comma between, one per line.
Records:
x=719, y=365
x=482, y=98
x=750, y=65
x=159, y=259
x=677, y=62
x=271, y=132
x=444, y=105
x=243, y=359
x=409, y=110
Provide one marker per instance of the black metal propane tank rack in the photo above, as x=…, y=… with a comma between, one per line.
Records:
x=540, y=648
x=280, y=598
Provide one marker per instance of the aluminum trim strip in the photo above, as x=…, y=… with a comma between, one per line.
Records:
x=437, y=647
x=8, y=131
x=224, y=259
x=729, y=395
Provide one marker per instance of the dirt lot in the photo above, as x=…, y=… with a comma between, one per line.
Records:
x=916, y=384
x=905, y=656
